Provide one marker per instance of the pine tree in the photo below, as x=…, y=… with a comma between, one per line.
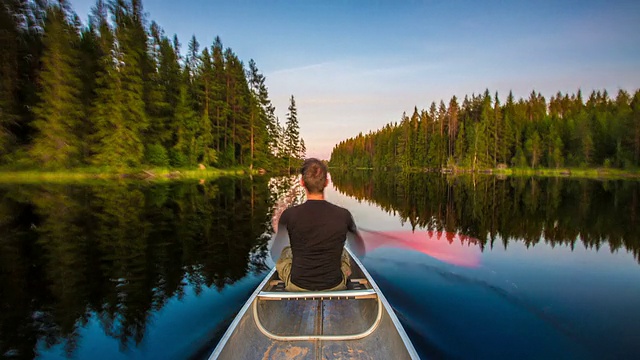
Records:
x=461, y=142
x=186, y=120
x=192, y=63
x=633, y=138
x=555, y=148
x=303, y=149
x=238, y=97
x=433, y=137
x=119, y=113
x=487, y=136
x=533, y=145
x=262, y=118
x=404, y=142
x=508, y=137
x=10, y=38
x=206, y=148
x=292, y=133
x=90, y=54
x=60, y=109
x=453, y=125
x=478, y=146
x=621, y=116
x=219, y=99
x=498, y=132
x=162, y=89
x=21, y=48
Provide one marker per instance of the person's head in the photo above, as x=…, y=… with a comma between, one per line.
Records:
x=314, y=175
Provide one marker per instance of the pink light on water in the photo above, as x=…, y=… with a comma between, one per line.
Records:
x=452, y=248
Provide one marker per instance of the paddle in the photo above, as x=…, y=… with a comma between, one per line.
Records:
x=449, y=247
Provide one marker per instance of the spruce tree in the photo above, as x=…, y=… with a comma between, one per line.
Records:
x=292, y=132
x=119, y=111
x=303, y=149
x=453, y=125
x=184, y=150
x=238, y=101
x=160, y=92
x=205, y=94
x=10, y=38
x=461, y=142
x=487, y=136
x=59, y=111
x=219, y=104
x=533, y=146
x=498, y=132
x=633, y=137
x=263, y=121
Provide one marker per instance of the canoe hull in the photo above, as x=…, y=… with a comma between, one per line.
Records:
x=318, y=324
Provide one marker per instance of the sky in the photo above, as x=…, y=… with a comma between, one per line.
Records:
x=354, y=66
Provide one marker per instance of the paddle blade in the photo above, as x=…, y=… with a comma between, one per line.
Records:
x=448, y=247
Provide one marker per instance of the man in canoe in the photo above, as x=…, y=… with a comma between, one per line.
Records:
x=317, y=231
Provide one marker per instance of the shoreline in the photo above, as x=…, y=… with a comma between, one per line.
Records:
x=589, y=173
x=138, y=174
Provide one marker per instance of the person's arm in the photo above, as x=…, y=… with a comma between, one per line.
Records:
x=280, y=238
x=354, y=239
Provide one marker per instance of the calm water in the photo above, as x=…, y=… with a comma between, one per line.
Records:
x=475, y=267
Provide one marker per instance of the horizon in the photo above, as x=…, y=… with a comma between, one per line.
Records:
x=356, y=66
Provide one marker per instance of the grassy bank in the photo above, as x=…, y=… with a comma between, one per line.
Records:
x=597, y=173
x=589, y=173
x=594, y=173
x=101, y=174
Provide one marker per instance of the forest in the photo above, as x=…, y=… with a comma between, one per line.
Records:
x=481, y=133
x=119, y=93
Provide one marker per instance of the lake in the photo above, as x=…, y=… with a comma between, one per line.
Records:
x=474, y=266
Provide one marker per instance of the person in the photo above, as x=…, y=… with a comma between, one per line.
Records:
x=317, y=229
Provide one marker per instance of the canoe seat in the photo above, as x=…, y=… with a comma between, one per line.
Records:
x=352, y=284
x=337, y=294
x=276, y=285
x=357, y=284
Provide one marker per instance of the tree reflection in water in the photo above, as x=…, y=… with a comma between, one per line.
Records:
x=489, y=208
x=119, y=251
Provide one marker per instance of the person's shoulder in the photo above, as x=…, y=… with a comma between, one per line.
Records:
x=339, y=208
x=287, y=213
x=291, y=209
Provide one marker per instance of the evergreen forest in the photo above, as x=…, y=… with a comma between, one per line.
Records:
x=119, y=93
x=481, y=133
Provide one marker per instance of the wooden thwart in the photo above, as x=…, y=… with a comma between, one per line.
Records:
x=338, y=294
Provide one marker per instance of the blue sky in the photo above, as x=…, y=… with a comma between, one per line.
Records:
x=354, y=66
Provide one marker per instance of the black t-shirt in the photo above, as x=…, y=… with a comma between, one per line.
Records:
x=317, y=232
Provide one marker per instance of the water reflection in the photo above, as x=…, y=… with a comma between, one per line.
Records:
x=117, y=253
x=554, y=210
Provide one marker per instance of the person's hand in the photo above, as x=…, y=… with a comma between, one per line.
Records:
x=356, y=244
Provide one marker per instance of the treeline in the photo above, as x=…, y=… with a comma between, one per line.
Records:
x=498, y=211
x=482, y=133
x=118, y=93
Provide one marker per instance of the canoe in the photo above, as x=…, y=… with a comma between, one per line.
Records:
x=357, y=323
